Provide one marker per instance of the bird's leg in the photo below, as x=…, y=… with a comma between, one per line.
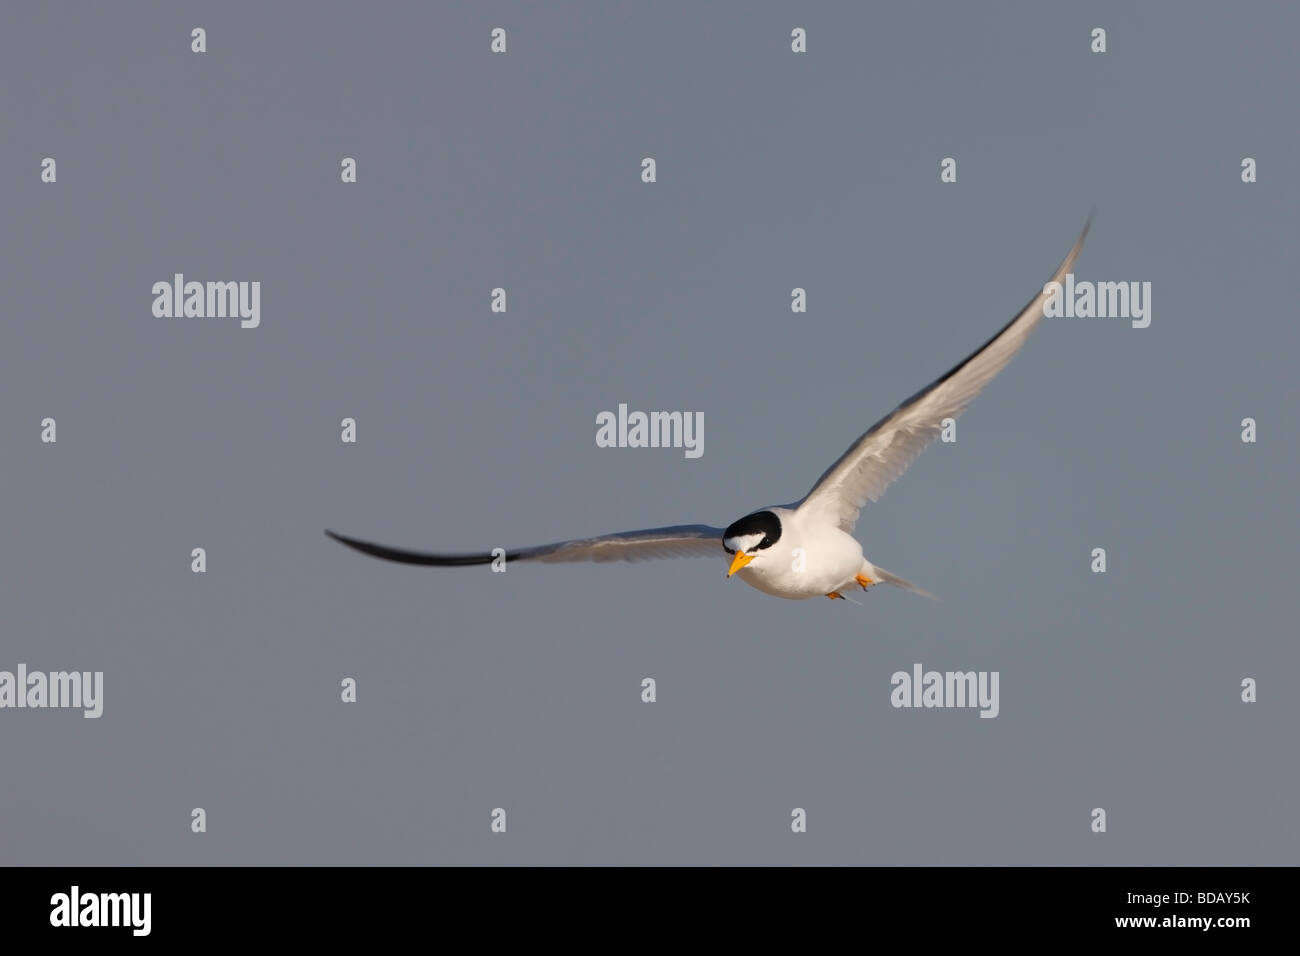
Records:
x=836, y=594
x=865, y=581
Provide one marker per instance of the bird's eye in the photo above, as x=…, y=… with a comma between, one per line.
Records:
x=765, y=543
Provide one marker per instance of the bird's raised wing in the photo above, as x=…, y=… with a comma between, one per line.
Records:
x=886, y=450
x=680, y=541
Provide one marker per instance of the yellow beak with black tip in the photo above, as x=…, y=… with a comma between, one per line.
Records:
x=739, y=562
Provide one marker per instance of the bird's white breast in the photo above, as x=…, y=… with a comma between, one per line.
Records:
x=811, y=559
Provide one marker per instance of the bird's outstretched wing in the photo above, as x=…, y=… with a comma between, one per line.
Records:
x=680, y=541
x=886, y=450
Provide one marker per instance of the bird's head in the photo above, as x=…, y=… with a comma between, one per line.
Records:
x=750, y=537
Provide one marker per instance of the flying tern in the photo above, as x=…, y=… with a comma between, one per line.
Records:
x=805, y=549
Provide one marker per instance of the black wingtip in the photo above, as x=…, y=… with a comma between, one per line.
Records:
x=353, y=543
x=402, y=556
x=341, y=539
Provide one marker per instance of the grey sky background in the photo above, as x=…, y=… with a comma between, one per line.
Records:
x=522, y=690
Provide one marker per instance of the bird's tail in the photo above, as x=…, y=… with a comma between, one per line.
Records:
x=880, y=574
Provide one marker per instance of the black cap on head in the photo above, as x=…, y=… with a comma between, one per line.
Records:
x=760, y=522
